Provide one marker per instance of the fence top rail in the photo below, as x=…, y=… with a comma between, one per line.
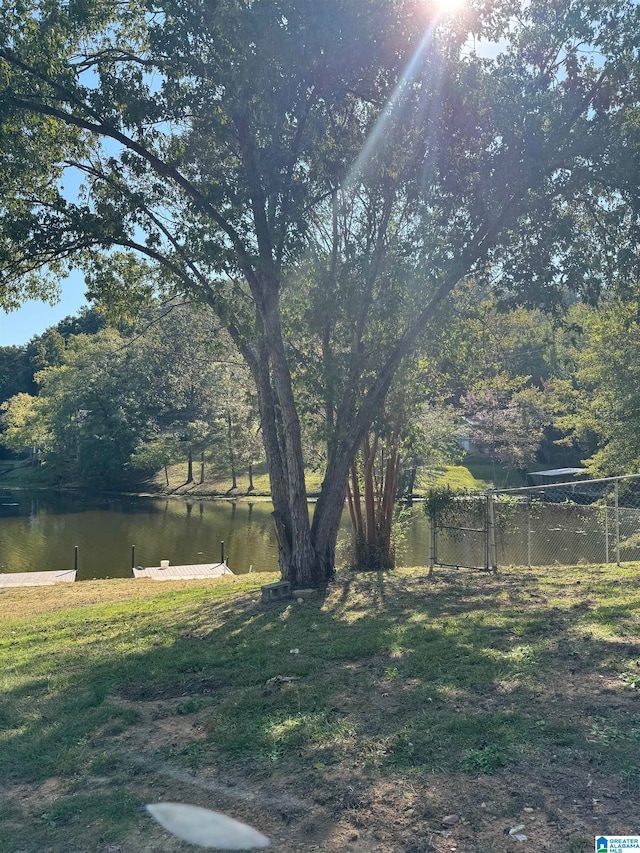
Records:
x=544, y=486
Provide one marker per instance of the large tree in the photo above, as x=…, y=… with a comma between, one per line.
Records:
x=90, y=411
x=339, y=164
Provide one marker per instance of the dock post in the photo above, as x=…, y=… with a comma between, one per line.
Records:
x=222, y=551
x=133, y=556
x=75, y=558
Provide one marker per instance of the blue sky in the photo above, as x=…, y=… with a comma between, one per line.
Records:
x=33, y=317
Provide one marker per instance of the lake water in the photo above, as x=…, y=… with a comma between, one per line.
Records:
x=38, y=532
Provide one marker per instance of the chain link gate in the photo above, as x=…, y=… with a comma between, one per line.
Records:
x=470, y=542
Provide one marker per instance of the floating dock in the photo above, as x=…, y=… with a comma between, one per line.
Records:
x=12, y=579
x=184, y=573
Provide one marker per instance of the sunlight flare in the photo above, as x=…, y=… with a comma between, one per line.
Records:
x=448, y=7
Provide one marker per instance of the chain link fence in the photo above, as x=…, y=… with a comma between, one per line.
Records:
x=591, y=521
x=588, y=521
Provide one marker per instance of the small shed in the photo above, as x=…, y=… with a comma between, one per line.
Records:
x=555, y=475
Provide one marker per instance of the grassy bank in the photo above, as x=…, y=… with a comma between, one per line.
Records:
x=218, y=481
x=503, y=700
x=472, y=474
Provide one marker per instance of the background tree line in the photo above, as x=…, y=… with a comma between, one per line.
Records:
x=107, y=407
x=110, y=403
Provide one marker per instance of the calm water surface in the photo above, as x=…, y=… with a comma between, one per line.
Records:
x=38, y=532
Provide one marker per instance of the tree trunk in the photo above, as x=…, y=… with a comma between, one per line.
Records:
x=303, y=568
x=369, y=458
x=329, y=506
x=202, y=468
x=373, y=547
x=306, y=552
x=407, y=483
x=232, y=458
x=275, y=462
x=190, y=466
x=251, y=487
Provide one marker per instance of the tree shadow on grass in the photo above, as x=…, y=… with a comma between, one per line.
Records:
x=435, y=678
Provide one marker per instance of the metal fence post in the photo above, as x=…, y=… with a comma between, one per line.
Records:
x=617, y=508
x=529, y=532
x=493, y=556
x=606, y=531
x=487, y=560
x=432, y=541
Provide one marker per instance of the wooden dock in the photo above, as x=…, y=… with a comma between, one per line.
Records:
x=13, y=579
x=184, y=573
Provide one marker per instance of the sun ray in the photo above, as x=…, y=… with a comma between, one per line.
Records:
x=388, y=111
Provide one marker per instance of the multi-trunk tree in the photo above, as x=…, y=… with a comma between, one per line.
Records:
x=224, y=141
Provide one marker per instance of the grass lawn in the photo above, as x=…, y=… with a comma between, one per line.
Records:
x=501, y=701
x=458, y=477
x=218, y=481
x=475, y=473
x=15, y=474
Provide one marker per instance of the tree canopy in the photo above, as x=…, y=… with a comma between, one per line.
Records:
x=599, y=407
x=322, y=174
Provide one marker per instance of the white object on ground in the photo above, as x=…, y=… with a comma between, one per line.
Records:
x=206, y=828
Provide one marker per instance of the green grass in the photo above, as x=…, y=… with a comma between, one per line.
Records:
x=218, y=481
x=458, y=477
x=462, y=677
x=474, y=473
x=16, y=474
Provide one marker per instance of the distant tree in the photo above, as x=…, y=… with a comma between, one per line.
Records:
x=507, y=422
x=600, y=407
x=25, y=427
x=19, y=364
x=431, y=438
x=202, y=386
x=239, y=443
x=15, y=374
x=90, y=413
x=156, y=453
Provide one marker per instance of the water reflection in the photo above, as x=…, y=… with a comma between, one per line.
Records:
x=39, y=533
